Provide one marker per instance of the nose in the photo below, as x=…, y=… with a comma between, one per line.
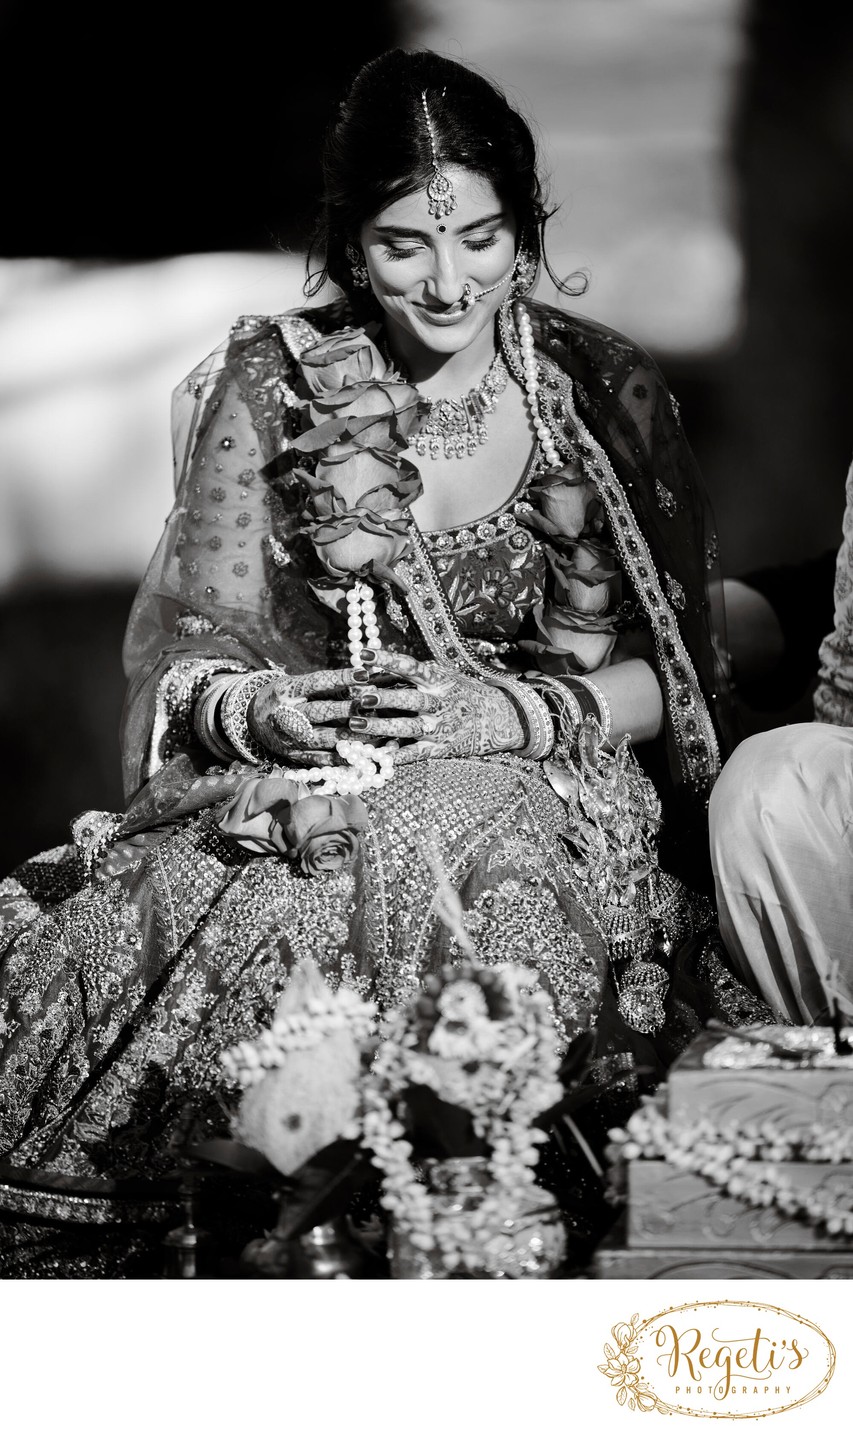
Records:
x=445, y=283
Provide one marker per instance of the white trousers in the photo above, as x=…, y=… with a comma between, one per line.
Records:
x=781, y=819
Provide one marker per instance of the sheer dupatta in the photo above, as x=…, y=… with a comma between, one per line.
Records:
x=226, y=589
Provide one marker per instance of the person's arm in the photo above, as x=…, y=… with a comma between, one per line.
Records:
x=633, y=695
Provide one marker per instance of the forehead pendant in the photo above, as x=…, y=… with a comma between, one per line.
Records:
x=440, y=197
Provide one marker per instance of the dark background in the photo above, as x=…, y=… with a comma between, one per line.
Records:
x=129, y=136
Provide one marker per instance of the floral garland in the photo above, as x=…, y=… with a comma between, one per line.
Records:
x=722, y=1156
x=477, y=1039
x=301, y=1076
x=574, y=616
x=296, y=1029
x=358, y=419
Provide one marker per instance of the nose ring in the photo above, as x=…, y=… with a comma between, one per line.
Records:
x=467, y=296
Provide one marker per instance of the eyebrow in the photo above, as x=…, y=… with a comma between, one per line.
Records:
x=403, y=233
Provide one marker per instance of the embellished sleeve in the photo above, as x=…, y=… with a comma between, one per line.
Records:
x=226, y=588
x=833, y=700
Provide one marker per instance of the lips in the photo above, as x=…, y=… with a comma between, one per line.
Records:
x=442, y=316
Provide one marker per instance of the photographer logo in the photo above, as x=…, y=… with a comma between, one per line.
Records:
x=718, y=1359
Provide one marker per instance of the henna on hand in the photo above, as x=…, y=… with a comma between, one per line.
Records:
x=267, y=719
x=469, y=717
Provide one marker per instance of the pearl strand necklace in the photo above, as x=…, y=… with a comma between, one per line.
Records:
x=361, y=610
x=367, y=766
x=531, y=385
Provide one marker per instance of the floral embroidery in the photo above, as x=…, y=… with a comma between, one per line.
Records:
x=665, y=498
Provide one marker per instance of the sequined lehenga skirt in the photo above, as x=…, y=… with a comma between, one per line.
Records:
x=118, y=995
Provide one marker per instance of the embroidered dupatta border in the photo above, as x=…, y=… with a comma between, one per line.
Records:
x=689, y=714
x=698, y=748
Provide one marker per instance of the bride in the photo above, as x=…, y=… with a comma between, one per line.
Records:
x=438, y=552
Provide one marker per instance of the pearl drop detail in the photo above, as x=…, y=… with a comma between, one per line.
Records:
x=531, y=385
x=368, y=766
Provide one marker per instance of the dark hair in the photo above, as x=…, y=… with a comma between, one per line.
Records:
x=377, y=150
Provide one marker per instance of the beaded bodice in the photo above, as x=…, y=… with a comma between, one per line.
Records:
x=493, y=571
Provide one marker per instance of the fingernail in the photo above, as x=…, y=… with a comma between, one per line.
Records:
x=369, y=701
x=358, y=723
x=360, y=676
x=368, y=656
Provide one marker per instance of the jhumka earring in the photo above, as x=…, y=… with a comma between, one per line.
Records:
x=524, y=274
x=360, y=277
x=441, y=199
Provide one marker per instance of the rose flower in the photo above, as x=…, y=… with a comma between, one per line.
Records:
x=273, y=814
x=322, y=831
x=343, y=358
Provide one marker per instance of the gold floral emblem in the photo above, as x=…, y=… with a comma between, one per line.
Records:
x=623, y=1369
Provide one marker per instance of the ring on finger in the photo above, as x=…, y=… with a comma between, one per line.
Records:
x=295, y=725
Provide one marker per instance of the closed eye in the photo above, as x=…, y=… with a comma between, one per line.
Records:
x=392, y=252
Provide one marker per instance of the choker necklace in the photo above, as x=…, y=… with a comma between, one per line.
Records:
x=458, y=426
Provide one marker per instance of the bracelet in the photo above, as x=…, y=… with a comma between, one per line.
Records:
x=535, y=717
x=585, y=690
x=564, y=707
x=205, y=716
x=233, y=712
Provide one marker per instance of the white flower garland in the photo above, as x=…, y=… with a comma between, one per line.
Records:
x=721, y=1155
x=514, y=1081
x=248, y=1062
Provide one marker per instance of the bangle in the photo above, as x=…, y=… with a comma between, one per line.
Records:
x=562, y=704
x=533, y=712
x=233, y=711
x=592, y=700
x=205, y=716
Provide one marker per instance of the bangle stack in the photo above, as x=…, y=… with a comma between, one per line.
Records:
x=535, y=719
x=570, y=700
x=564, y=708
x=233, y=715
x=592, y=701
x=206, y=717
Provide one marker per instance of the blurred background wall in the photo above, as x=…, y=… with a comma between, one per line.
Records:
x=161, y=172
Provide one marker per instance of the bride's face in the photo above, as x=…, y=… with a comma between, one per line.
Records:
x=419, y=265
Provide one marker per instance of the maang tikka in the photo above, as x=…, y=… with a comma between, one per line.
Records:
x=440, y=197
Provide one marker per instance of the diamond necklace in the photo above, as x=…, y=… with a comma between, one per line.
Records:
x=458, y=426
